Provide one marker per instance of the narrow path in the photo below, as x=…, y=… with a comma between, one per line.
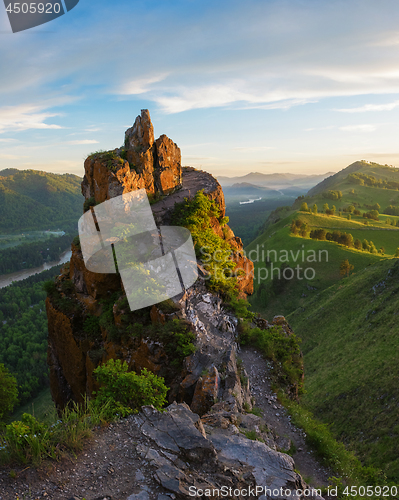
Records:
x=277, y=417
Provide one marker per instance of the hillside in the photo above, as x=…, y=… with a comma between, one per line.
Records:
x=321, y=258
x=350, y=344
x=361, y=183
x=352, y=199
x=276, y=180
x=32, y=199
x=348, y=326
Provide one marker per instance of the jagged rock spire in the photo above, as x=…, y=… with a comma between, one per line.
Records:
x=141, y=135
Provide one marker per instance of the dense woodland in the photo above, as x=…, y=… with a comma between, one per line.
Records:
x=23, y=332
x=30, y=255
x=31, y=199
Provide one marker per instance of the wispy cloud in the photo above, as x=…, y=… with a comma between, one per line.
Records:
x=285, y=54
x=25, y=117
x=11, y=157
x=370, y=107
x=312, y=129
x=252, y=148
x=140, y=85
x=83, y=141
x=359, y=128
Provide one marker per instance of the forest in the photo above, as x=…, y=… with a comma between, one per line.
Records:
x=23, y=332
x=29, y=255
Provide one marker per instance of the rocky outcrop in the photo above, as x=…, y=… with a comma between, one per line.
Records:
x=200, y=440
x=190, y=455
x=208, y=375
x=141, y=164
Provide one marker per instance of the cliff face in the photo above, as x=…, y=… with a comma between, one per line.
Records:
x=74, y=351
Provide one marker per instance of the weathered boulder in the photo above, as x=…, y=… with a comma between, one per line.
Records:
x=206, y=392
x=167, y=172
x=187, y=458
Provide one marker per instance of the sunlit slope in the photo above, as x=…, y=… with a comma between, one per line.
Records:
x=368, y=168
x=350, y=335
x=321, y=258
x=31, y=199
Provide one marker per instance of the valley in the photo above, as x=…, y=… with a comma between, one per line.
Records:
x=297, y=242
x=346, y=321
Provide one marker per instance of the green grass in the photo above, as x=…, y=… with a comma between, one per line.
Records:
x=42, y=407
x=350, y=343
x=299, y=291
x=343, y=224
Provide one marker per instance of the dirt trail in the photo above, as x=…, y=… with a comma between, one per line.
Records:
x=277, y=417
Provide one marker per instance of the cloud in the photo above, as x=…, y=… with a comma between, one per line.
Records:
x=370, y=107
x=359, y=128
x=11, y=157
x=312, y=129
x=253, y=148
x=8, y=140
x=140, y=85
x=83, y=141
x=266, y=55
x=25, y=117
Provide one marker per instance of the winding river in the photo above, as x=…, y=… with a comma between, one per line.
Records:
x=7, y=279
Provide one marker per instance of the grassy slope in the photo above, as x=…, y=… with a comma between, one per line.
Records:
x=42, y=407
x=350, y=338
x=298, y=292
x=38, y=200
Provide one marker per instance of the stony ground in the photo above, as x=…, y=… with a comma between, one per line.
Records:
x=112, y=465
x=277, y=417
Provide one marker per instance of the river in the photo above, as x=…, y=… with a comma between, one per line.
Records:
x=7, y=279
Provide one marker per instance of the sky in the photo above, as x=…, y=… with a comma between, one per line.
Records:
x=302, y=86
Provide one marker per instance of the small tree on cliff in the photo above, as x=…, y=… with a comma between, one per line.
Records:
x=345, y=268
x=304, y=207
x=8, y=392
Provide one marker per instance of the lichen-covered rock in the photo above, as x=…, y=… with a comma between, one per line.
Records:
x=141, y=135
x=153, y=165
x=186, y=458
x=206, y=391
x=167, y=172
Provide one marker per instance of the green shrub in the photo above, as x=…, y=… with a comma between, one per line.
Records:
x=195, y=214
x=251, y=435
x=49, y=287
x=90, y=202
x=67, y=286
x=8, y=392
x=29, y=441
x=76, y=241
x=168, y=306
x=176, y=338
x=125, y=392
x=331, y=452
x=91, y=326
x=281, y=348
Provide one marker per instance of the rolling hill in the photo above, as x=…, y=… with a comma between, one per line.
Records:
x=350, y=343
x=31, y=199
x=348, y=323
x=276, y=180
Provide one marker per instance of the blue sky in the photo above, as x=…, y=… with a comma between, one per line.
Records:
x=270, y=86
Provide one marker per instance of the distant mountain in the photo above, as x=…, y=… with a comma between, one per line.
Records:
x=275, y=180
x=339, y=180
x=31, y=199
x=248, y=189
